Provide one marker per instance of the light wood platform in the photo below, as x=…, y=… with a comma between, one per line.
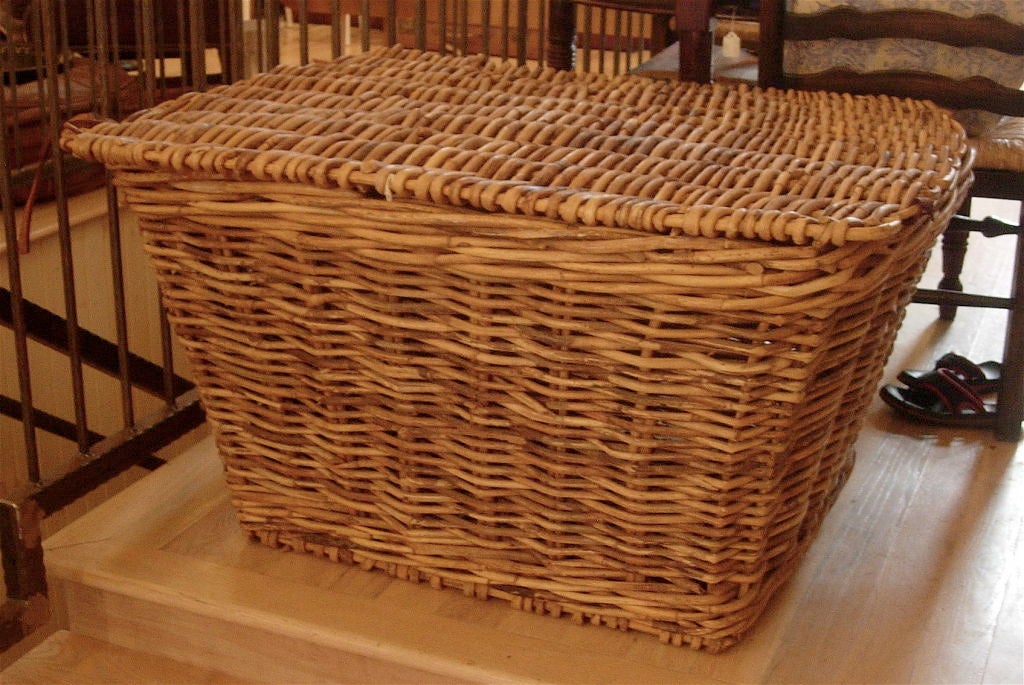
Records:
x=915, y=578
x=67, y=658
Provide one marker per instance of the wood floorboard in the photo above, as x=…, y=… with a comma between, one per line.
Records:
x=71, y=659
x=914, y=578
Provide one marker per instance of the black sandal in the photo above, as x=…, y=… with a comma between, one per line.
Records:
x=943, y=399
x=981, y=378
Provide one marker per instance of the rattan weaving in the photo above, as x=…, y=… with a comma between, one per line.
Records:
x=599, y=347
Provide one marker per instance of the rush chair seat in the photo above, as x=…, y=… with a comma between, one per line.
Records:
x=977, y=70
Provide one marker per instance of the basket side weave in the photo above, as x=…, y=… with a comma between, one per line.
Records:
x=581, y=432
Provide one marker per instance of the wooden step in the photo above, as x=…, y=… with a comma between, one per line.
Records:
x=164, y=568
x=66, y=658
x=913, y=578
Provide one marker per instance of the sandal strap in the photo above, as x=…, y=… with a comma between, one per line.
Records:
x=983, y=377
x=967, y=370
x=950, y=389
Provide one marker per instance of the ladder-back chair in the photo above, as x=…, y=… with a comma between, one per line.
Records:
x=989, y=102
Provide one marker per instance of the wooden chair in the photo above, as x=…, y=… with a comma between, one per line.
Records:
x=999, y=167
x=687, y=21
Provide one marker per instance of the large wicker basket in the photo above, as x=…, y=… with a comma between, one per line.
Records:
x=599, y=347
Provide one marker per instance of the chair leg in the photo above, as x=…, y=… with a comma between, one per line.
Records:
x=561, y=40
x=954, y=250
x=1010, y=408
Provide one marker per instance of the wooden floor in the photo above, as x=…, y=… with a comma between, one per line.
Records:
x=915, y=577
x=68, y=658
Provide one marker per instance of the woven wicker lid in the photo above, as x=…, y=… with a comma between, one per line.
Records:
x=626, y=152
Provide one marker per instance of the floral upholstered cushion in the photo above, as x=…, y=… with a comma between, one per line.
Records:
x=803, y=57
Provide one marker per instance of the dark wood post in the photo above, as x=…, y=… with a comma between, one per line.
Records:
x=693, y=22
x=561, y=44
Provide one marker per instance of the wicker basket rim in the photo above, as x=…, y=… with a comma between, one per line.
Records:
x=875, y=205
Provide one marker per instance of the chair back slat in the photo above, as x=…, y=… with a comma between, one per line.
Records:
x=985, y=31
x=780, y=27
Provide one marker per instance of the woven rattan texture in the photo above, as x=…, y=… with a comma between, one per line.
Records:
x=428, y=347
x=1002, y=147
x=704, y=161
